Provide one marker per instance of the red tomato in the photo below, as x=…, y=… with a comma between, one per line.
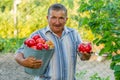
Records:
x=34, y=47
x=36, y=37
x=26, y=41
x=81, y=47
x=39, y=46
x=45, y=46
x=40, y=40
x=30, y=42
x=85, y=47
x=88, y=48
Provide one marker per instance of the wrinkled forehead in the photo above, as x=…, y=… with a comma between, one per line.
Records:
x=62, y=12
x=57, y=13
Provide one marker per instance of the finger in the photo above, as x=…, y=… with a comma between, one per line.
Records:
x=32, y=62
x=38, y=61
x=37, y=65
x=86, y=53
x=33, y=58
x=30, y=57
x=82, y=52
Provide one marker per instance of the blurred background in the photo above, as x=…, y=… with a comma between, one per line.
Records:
x=19, y=18
x=97, y=21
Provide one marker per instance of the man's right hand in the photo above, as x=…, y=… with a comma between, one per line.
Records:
x=29, y=62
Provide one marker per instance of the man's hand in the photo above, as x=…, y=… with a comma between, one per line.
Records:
x=85, y=56
x=29, y=62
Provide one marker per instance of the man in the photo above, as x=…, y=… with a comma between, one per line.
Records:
x=62, y=64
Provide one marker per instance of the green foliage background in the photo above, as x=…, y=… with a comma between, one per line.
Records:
x=30, y=16
x=103, y=20
x=97, y=21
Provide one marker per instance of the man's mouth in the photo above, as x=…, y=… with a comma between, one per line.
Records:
x=57, y=25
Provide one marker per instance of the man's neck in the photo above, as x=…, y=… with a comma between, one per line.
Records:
x=59, y=34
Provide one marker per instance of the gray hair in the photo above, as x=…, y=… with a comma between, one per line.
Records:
x=57, y=7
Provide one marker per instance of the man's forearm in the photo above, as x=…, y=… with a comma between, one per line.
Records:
x=19, y=57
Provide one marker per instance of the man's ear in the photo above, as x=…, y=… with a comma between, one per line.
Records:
x=66, y=18
x=47, y=17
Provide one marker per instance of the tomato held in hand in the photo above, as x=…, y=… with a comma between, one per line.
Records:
x=81, y=47
x=88, y=48
x=85, y=47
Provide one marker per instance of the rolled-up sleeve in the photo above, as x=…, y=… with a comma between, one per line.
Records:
x=20, y=50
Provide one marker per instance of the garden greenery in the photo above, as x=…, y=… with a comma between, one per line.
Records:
x=103, y=20
x=101, y=17
x=30, y=16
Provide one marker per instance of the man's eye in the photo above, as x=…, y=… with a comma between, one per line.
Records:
x=61, y=18
x=53, y=17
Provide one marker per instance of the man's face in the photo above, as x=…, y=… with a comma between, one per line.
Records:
x=57, y=20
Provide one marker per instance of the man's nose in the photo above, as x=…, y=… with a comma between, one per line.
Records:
x=57, y=21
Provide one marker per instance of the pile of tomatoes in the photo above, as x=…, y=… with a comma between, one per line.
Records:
x=38, y=43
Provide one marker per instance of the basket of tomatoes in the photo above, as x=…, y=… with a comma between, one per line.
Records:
x=38, y=48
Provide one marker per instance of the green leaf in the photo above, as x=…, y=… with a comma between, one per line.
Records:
x=96, y=40
x=116, y=57
x=83, y=7
x=117, y=73
x=117, y=32
x=112, y=65
x=84, y=21
x=117, y=68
